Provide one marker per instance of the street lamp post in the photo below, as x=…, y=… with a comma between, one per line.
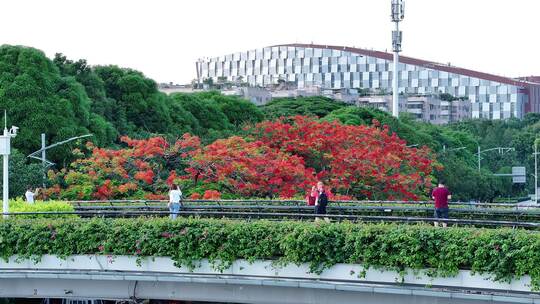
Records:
x=44, y=162
x=5, y=150
x=479, y=160
x=501, y=150
x=452, y=149
x=43, y=159
x=536, y=171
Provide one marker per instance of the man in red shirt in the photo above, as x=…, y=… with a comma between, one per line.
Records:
x=441, y=195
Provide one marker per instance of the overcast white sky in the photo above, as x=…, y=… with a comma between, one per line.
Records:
x=164, y=38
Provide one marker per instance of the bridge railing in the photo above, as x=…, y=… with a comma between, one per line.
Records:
x=462, y=213
x=283, y=216
x=294, y=202
x=418, y=210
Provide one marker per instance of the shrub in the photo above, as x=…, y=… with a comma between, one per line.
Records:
x=502, y=253
x=18, y=205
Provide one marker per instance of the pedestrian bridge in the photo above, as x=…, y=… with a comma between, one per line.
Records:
x=125, y=277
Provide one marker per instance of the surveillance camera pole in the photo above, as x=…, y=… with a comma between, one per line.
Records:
x=5, y=150
x=5, y=191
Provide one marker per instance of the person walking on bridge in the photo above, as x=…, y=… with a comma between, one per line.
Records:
x=441, y=195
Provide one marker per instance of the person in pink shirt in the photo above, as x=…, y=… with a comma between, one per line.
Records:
x=311, y=197
x=441, y=195
x=322, y=197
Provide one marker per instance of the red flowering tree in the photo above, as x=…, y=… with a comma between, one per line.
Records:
x=211, y=194
x=362, y=161
x=144, y=169
x=281, y=158
x=251, y=169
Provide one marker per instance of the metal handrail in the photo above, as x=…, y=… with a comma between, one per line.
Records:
x=295, y=202
x=287, y=216
x=300, y=208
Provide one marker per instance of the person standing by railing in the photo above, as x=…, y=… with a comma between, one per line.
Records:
x=311, y=197
x=175, y=197
x=441, y=195
x=29, y=195
x=321, y=201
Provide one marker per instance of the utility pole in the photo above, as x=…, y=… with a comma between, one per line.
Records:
x=398, y=13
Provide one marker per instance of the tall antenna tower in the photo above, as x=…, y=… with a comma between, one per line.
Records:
x=398, y=13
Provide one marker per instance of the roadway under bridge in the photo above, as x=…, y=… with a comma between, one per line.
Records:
x=125, y=277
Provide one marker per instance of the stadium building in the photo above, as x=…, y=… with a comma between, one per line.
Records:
x=346, y=68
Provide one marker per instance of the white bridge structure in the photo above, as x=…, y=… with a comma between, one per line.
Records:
x=129, y=278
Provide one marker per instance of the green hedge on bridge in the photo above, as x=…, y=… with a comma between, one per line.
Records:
x=503, y=253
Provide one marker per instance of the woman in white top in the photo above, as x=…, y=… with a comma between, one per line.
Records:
x=30, y=195
x=175, y=196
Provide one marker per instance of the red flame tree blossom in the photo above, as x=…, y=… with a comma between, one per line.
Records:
x=281, y=158
x=364, y=161
x=143, y=169
x=250, y=168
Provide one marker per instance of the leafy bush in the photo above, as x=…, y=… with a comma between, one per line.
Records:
x=502, y=253
x=309, y=106
x=18, y=205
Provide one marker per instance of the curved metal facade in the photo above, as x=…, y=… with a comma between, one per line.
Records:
x=333, y=67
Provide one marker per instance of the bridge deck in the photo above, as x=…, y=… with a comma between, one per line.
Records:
x=123, y=277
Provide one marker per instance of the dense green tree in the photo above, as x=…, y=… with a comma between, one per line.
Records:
x=363, y=115
x=133, y=98
x=95, y=89
x=39, y=100
x=213, y=123
x=23, y=174
x=512, y=133
x=238, y=111
x=310, y=106
x=356, y=115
